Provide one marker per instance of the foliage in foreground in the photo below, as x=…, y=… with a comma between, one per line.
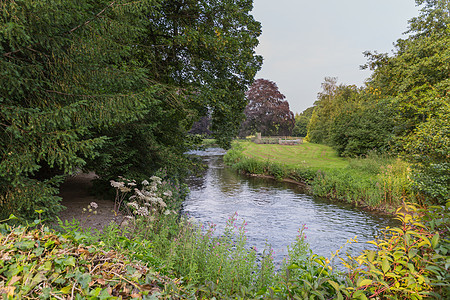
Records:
x=411, y=261
x=39, y=263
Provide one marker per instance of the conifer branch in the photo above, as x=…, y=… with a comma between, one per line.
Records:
x=96, y=16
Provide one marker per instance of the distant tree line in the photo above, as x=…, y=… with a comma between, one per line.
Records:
x=404, y=108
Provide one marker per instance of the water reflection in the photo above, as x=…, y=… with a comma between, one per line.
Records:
x=275, y=211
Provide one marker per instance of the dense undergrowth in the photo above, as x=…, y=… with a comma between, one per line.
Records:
x=39, y=263
x=156, y=253
x=376, y=181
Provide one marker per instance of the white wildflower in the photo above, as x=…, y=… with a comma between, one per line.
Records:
x=142, y=211
x=141, y=196
x=124, y=189
x=168, y=193
x=131, y=184
x=116, y=184
x=133, y=205
x=145, y=182
x=147, y=193
x=155, y=199
x=162, y=203
x=155, y=179
x=167, y=212
x=94, y=205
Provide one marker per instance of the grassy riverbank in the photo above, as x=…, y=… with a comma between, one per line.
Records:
x=377, y=182
x=159, y=255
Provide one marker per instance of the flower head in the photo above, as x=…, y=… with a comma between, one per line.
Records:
x=142, y=211
x=116, y=184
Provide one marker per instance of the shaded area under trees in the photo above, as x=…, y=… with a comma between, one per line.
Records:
x=114, y=87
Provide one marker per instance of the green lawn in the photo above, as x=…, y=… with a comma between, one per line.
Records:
x=310, y=155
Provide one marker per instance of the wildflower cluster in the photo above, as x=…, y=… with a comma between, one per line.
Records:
x=147, y=204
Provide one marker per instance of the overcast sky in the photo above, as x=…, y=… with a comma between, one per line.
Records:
x=305, y=41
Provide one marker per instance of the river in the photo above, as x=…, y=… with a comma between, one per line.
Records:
x=274, y=211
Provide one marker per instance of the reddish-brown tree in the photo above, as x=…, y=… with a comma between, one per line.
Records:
x=267, y=111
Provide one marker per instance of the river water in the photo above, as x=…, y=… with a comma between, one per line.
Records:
x=274, y=211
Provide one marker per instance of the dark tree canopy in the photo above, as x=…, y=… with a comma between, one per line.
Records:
x=114, y=87
x=267, y=111
x=202, y=126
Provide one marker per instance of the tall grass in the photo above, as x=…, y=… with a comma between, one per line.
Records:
x=376, y=181
x=222, y=266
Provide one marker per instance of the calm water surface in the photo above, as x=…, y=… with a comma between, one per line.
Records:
x=274, y=211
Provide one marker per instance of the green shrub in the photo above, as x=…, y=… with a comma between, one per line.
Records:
x=32, y=195
x=40, y=263
x=411, y=261
x=303, y=275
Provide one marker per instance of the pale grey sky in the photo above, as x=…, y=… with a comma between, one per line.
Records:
x=305, y=41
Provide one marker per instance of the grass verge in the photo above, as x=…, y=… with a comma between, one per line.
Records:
x=377, y=182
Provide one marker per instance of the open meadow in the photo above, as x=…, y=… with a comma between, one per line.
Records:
x=309, y=155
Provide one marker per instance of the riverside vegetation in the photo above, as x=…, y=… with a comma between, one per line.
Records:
x=159, y=254
x=376, y=181
x=114, y=87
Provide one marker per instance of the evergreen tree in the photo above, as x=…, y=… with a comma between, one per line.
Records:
x=113, y=86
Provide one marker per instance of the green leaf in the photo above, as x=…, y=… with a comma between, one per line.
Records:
x=95, y=292
x=70, y=261
x=334, y=284
x=412, y=253
x=371, y=255
x=66, y=290
x=25, y=245
x=365, y=282
x=435, y=240
x=385, y=265
x=38, y=278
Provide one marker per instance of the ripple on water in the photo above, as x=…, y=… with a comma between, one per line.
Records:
x=275, y=211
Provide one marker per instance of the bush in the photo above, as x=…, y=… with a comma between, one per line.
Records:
x=40, y=263
x=411, y=261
